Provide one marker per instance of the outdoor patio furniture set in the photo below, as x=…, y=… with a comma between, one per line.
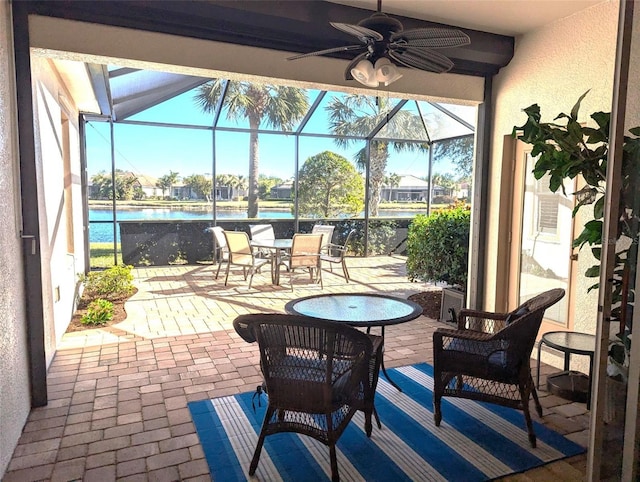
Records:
x=319, y=369
x=304, y=250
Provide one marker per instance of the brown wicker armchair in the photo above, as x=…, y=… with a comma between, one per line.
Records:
x=317, y=375
x=488, y=357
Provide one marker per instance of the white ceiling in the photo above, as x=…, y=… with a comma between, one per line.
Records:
x=506, y=17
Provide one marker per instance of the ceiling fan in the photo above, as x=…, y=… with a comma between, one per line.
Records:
x=384, y=45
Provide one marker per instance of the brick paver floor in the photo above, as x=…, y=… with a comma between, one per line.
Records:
x=118, y=396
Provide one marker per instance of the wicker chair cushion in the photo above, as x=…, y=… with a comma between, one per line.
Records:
x=493, y=353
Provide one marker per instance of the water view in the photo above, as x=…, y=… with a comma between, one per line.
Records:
x=102, y=232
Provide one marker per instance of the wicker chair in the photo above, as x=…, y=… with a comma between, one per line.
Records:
x=488, y=357
x=317, y=374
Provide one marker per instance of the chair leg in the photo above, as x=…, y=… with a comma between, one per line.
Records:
x=291, y=278
x=218, y=270
x=256, y=453
x=437, y=413
x=319, y=268
x=226, y=277
x=438, y=388
x=345, y=270
x=534, y=392
x=334, y=463
x=524, y=396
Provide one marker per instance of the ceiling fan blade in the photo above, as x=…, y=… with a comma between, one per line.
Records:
x=346, y=48
x=422, y=59
x=352, y=64
x=435, y=38
x=363, y=33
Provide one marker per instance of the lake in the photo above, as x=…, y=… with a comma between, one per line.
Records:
x=101, y=232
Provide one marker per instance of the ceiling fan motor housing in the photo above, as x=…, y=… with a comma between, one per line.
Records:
x=382, y=23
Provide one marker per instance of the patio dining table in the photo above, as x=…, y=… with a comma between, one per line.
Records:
x=359, y=310
x=279, y=246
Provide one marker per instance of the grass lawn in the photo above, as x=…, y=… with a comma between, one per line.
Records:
x=101, y=255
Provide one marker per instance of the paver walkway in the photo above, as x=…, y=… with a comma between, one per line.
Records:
x=118, y=396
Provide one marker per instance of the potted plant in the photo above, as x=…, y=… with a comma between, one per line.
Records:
x=569, y=149
x=438, y=251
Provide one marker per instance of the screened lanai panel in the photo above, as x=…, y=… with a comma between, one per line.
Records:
x=466, y=113
x=99, y=191
x=154, y=151
x=440, y=125
x=279, y=108
x=179, y=110
x=348, y=114
x=405, y=124
x=276, y=173
x=133, y=90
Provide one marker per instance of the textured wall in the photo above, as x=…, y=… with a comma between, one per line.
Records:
x=552, y=67
x=60, y=265
x=14, y=383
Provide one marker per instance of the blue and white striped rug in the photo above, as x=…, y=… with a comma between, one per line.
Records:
x=476, y=441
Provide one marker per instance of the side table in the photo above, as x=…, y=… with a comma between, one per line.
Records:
x=569, y=384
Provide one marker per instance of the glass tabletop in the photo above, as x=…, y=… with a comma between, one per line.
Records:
x=579, y=343
x=356, y=309
x=280, y=243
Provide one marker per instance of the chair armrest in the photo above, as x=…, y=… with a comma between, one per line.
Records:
x=243, y=328
x=336, y=250
x=471, y=335
x=482, y=318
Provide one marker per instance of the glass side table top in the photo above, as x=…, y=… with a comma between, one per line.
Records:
x=356, y=309
x=578, y=343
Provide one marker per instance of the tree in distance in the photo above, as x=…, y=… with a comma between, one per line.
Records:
x=329, y=186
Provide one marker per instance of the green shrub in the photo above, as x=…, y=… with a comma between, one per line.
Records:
x=113, y=283
x=438, y=246
x=99, y=312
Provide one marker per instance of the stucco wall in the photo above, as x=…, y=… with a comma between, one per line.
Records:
x=61, y=248
x=552, y=67
x=14, y=382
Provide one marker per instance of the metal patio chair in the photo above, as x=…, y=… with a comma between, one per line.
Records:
x=336, y=254
x=241, y=254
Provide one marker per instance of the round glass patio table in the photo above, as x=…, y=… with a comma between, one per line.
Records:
x=569, y=343
x=362, y=310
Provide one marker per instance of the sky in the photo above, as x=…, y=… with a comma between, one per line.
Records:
x=156, y=150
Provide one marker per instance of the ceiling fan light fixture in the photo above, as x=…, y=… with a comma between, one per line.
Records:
x=386, y=72
x=364, y=73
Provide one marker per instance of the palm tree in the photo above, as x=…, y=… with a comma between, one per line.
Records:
x=163, y=183
x=391, y=181
x=172, y=178
x=357, y=115
x=280, y=106
x=223, y=180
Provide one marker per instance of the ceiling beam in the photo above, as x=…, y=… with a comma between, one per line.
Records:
x=296, y=26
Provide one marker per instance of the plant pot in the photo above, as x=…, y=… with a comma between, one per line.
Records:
x=452, y=299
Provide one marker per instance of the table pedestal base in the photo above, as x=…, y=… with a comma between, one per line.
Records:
x=570, y=385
